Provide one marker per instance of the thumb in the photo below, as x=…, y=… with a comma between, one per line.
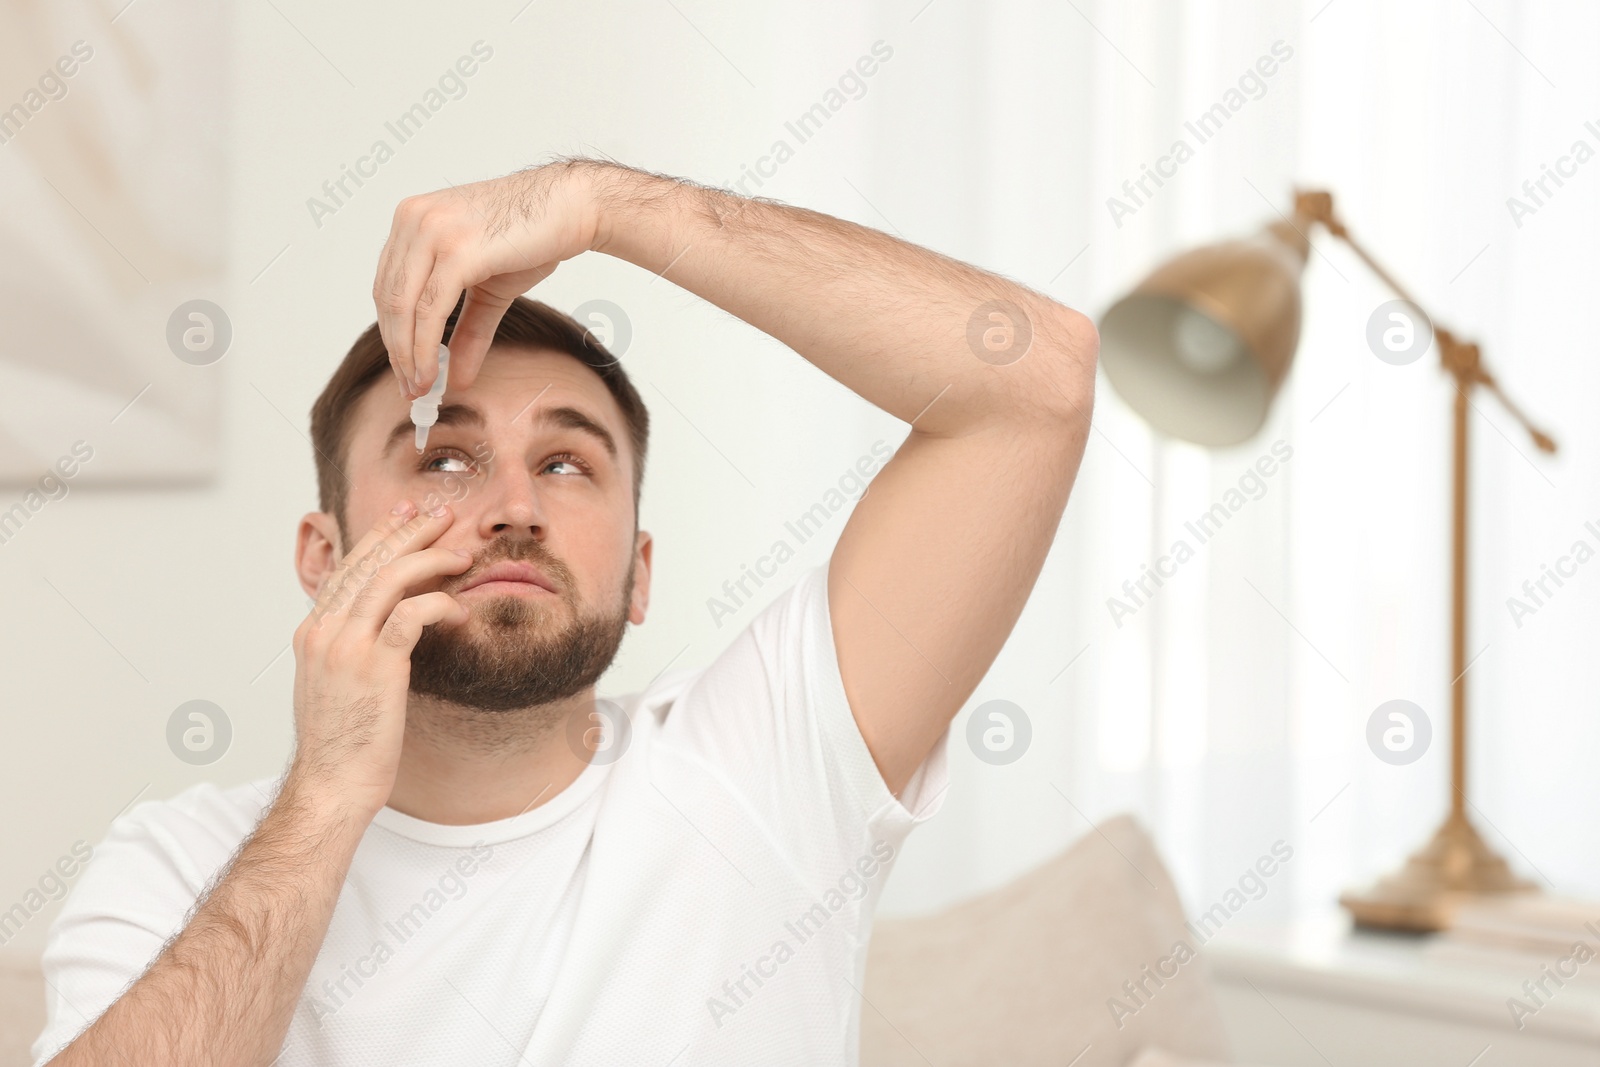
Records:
x=475, y=327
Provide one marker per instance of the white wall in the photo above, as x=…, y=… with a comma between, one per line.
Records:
x=994, y=134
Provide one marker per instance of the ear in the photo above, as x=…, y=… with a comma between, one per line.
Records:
x=639, y=600
x=317, y=551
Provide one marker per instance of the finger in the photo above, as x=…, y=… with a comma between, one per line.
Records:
x=377, y=597
x=394, y=369
x=412, y=536
x=404, y=625
x=382, y=284
x=406, y=271
x=402, y=513
x=434, y=305
x=480, y=317
x=425, y=356
x=384, y=543
x=401, y=304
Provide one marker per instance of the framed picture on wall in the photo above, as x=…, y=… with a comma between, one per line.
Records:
x=114, y=180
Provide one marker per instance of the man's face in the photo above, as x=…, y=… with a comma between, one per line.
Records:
x=535, y=462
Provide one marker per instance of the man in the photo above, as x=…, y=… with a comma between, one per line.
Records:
x=470, y=858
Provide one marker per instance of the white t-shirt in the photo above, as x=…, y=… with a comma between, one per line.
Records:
x=705, y=898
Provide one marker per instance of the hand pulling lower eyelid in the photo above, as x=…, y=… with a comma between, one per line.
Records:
x=425, y=408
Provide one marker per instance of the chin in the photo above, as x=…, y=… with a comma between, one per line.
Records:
x=513, y=612
x=516, y=652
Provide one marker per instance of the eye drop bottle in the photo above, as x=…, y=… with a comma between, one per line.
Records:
x=425, y=408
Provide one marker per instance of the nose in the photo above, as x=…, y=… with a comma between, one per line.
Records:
x=511, y=503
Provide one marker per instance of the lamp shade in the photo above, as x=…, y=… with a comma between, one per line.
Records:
x=1200, y=348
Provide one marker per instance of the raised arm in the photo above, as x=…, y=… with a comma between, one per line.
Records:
x=997, y=381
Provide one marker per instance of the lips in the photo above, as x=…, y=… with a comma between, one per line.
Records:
x=511, y=571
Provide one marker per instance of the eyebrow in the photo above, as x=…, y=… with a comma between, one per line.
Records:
x=470, y=416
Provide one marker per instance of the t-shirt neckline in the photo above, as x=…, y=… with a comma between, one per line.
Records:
x=547, y=814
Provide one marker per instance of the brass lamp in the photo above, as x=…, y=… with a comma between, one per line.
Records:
x=1200, y=349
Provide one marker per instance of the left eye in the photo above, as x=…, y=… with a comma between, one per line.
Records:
x=564, y=463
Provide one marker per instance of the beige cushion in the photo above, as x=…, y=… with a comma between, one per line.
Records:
x=21, y=1012
x=1023, y=975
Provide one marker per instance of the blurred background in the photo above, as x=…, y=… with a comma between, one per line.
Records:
x=197, y=154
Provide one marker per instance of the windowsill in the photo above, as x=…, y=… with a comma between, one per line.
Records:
x=1317, y=973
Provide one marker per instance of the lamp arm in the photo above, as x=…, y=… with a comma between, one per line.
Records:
x=1460, y=358
x=1337, y=228
x=1542, y=440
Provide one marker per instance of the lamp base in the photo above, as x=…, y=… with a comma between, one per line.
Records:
x=1422, y=896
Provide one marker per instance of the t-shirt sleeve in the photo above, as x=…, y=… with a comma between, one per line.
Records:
x=134, y=893
x=770, y=717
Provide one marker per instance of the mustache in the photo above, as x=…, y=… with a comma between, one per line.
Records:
x=519, y=550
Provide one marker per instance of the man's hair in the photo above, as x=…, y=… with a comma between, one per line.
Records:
x=526, y=324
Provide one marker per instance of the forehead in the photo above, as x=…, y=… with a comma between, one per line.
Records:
x=515, y=388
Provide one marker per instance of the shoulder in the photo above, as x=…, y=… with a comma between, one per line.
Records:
x=135, y=890
x=200, y=826
x=206, y=804
x=791, y=629
x=158, y=856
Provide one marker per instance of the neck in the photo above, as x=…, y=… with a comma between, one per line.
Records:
x=460, y=766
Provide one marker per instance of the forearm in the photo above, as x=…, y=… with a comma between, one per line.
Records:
x=892, y=321
x=224, y=990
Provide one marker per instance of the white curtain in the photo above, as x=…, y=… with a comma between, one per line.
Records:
x=1229, y=709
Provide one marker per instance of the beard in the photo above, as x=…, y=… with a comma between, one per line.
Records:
x=518, y=652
